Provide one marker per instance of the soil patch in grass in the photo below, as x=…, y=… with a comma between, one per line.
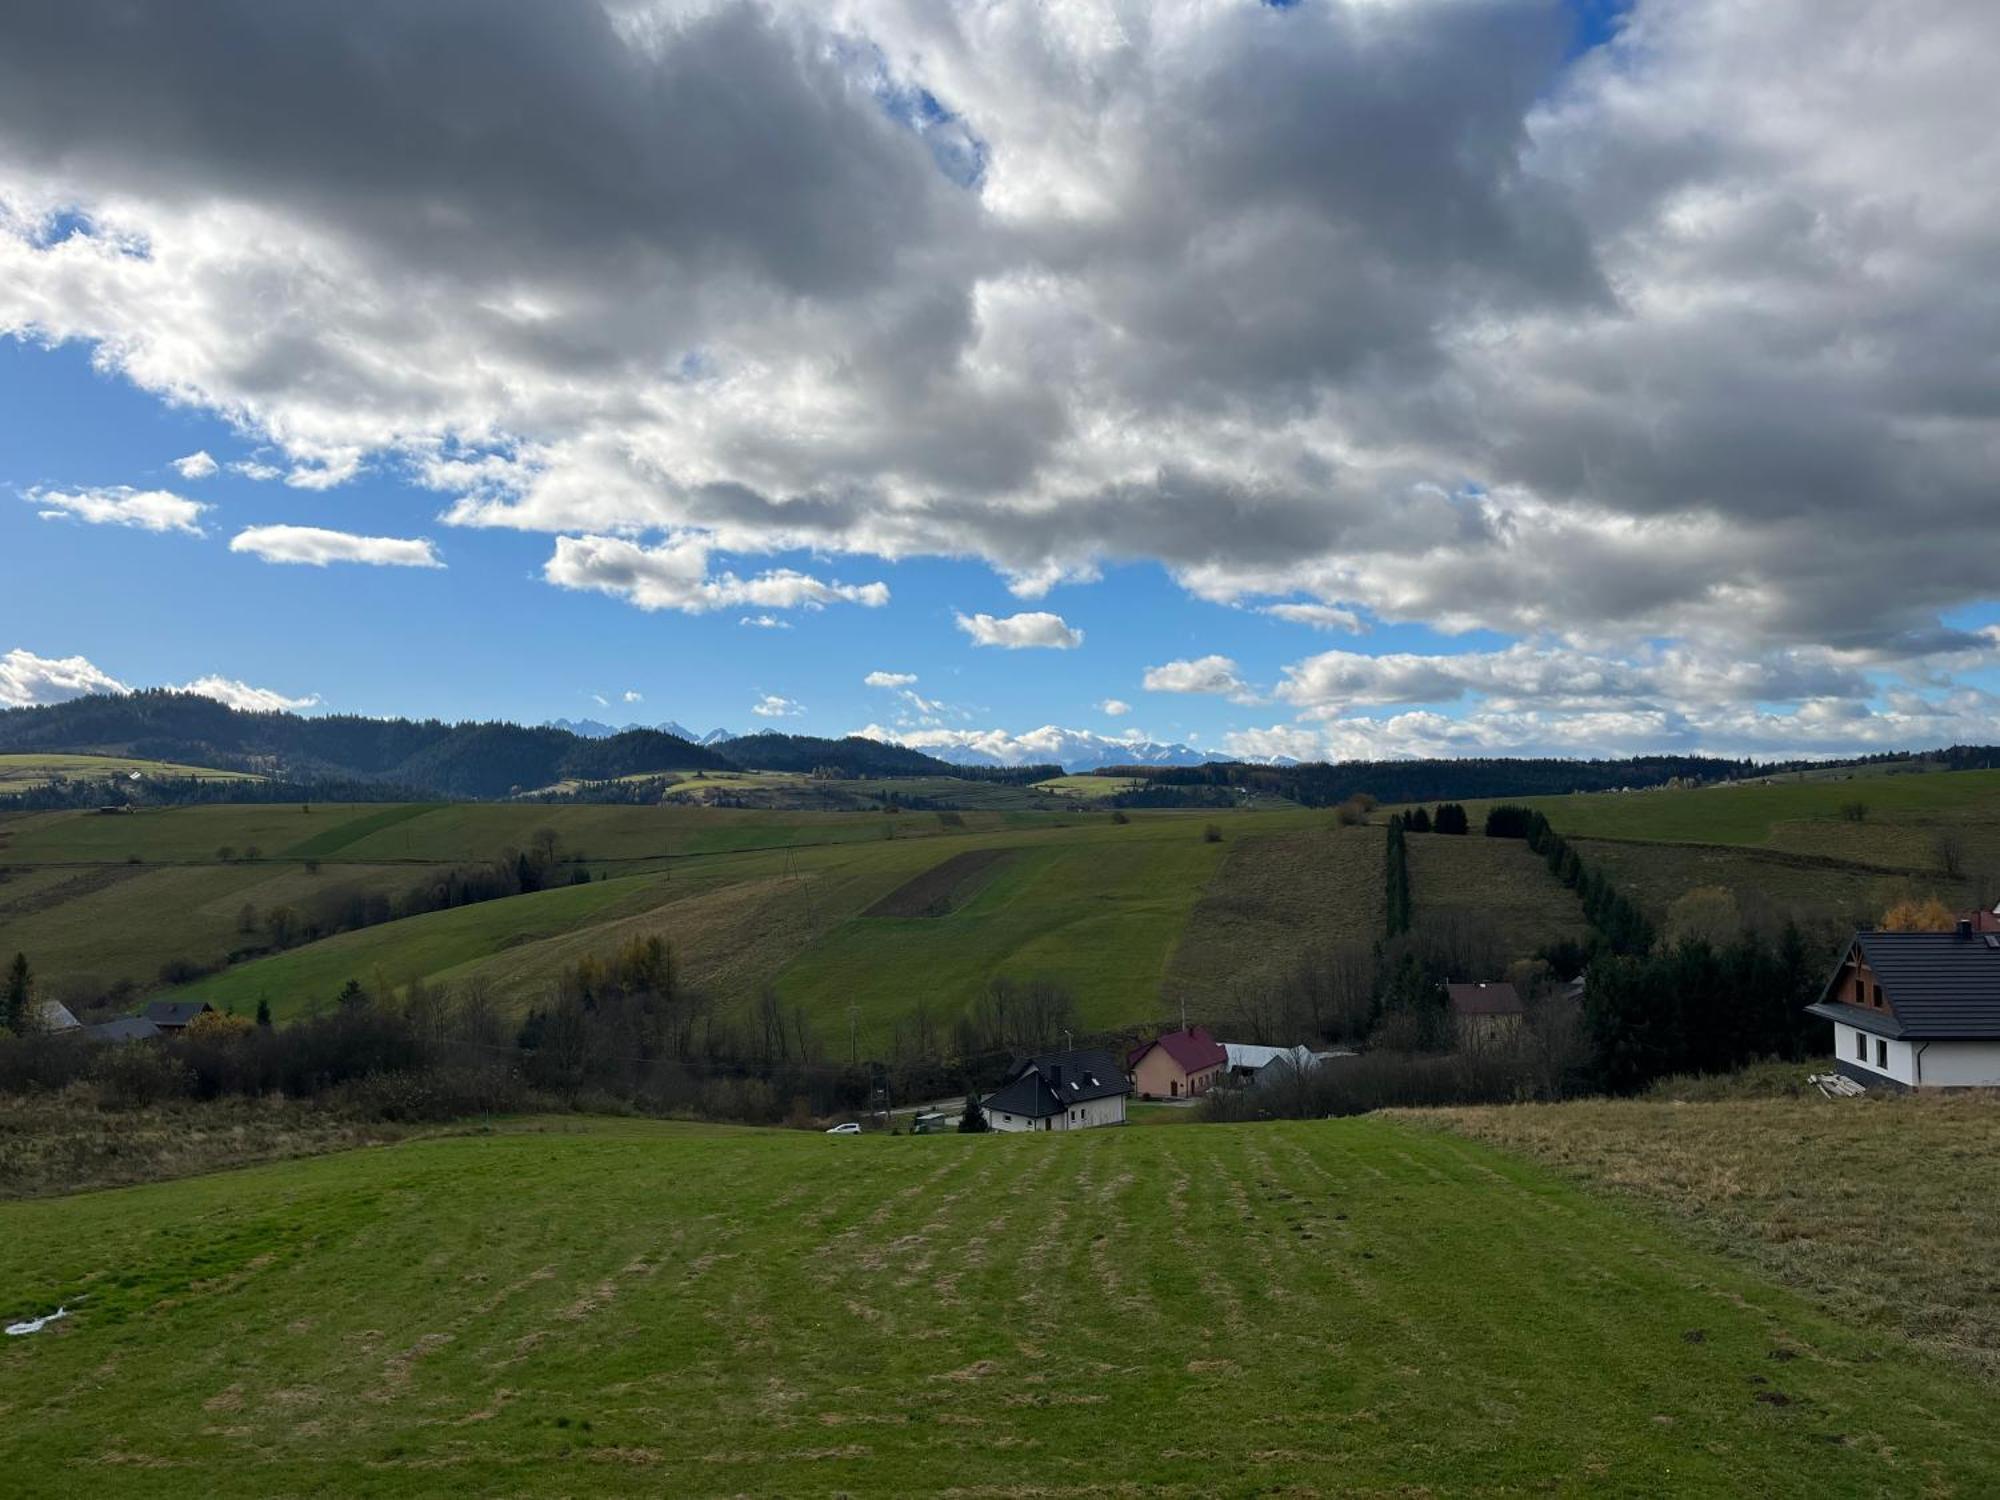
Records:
x=944, y=887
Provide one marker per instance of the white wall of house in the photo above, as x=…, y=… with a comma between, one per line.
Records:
x=1091, y=1112
x=1959, y=1065
x=1082, y=1116
x=1930, y=1065
x=1881, y=1057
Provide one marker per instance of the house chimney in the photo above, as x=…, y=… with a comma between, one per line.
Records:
x=1964, y=928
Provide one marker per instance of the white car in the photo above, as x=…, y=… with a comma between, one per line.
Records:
x=849, y=1128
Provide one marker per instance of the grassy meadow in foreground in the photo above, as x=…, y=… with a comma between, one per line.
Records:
x=1885, y=1210
x=629, y=1308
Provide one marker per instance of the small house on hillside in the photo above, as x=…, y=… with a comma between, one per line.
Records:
x=173, y=1016
x=1062, y=1091
x=1915, y=1010
x=120, y=1029
x=1177, y=1064
x=52, y=1016
x=1484, y=1011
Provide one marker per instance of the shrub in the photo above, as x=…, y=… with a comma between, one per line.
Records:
x=1212, y=833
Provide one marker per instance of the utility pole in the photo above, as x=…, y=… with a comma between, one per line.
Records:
x=853, y=1033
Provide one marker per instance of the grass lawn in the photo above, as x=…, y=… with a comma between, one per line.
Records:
x=1884, y=1210
x=24, y=772
x=627, y=1308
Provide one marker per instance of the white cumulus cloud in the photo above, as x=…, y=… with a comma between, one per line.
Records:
x=1318, y=616
x=1115, y=708
x=241, y=695
x=27, y=680
x=316, y=546
x=675, y=575
x=890, y=679
x=771, y=706
x=1205, y=674
x=196, y=465
x=144, y=510
x=1018, y=632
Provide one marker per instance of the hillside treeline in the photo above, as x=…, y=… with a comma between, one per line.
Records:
x=1321, y=785
x=429, y=756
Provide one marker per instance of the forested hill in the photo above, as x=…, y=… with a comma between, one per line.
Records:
x=1319, y=785
x=428, y=755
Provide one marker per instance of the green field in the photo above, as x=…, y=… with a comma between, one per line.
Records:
x=749, y=898
x=1088, y=788
x=24, y=772
x=1277, y=897
x=1804, y=815
x=1499, y=883
x=614, y=1308
x=1134, y=917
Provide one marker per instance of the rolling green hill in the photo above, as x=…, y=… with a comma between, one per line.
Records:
x=19, y=773
x=613, y=1308
x=1135, y=917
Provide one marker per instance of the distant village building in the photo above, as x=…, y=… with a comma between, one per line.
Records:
x=173, y=1016
x=1915, y=1010
x=1484, y=1011
x=121, y=1029
x=1062, y=1091
x=1261, y=1067
x=53, y=1016
x=1180, y=1064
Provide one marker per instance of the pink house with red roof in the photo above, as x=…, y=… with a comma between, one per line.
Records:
x=1176, y=1065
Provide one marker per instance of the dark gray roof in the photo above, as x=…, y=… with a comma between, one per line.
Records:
x=123, y=1029
x=175, y=1012
x=1939, y=985
x=1484, y=998
x=1042, y=1086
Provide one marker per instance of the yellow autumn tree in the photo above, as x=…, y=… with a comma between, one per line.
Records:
x=1927, y=915
x=214, y=1023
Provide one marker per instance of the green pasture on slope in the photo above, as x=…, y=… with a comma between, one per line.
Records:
x=303, y=980
x=26, y=771
x=104, y=923
x=1497, y=883
x=179, y=835
x=1101, y=916
x=1767, y=812
x=626, y=1308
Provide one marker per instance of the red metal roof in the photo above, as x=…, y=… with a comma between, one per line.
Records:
x=1192, y=1050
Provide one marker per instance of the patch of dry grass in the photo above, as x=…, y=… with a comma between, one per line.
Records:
x=1276, y=899
x=1885, y=1210
x=66, y=1143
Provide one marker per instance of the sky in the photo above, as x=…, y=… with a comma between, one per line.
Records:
x=1342, y=378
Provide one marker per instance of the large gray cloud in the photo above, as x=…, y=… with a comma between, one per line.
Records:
x=1382, y=307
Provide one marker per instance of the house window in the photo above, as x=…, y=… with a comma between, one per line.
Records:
x=1860, y=990
x=1878, y=997
x=1881, y=1053
x=1861, y=1045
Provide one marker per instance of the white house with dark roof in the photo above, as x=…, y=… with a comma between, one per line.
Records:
x=1917, y=1010
x=1062, y=1091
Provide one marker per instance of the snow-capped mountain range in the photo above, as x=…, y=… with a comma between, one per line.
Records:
x=597, y=729
x=1072, y=749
